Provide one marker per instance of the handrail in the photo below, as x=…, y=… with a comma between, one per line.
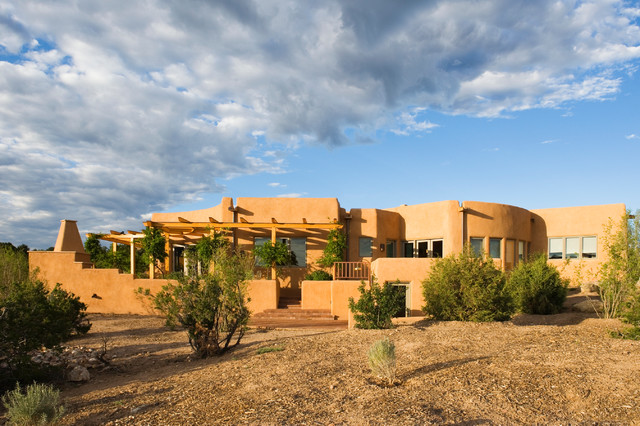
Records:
x=352, y=271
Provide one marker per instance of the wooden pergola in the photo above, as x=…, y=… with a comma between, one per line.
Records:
x=187, y=232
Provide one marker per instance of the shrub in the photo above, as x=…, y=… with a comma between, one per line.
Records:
x=39, y=405
x=466, y=288
x=211, y=307
x=318, y=275
x=14, y=265
x=32, y=317
x=536, y=287
x=376, y=305
x=267, y=349
x=382, y=359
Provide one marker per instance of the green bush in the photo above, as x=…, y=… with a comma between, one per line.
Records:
x=14, y=265
x=32, y=317
x=466, y=288
x=334, y=250
x=104, y=258
x=39, y=405
x=211, y=307
x=536, y=287
x=376, y=306
x=382, y=359
x=318, y=275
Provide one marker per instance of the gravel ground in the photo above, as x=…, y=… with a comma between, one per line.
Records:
x=558, y=369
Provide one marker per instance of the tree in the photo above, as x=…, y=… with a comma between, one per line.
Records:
x=153, y=247
x=274, y=254
x=466, y=287
x=334, y=250
x=103, y=258
x=212, y=307
x=204, y=250
x=620, y=273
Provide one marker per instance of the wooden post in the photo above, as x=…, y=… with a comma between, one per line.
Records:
x=133, y=256
x=273, y=242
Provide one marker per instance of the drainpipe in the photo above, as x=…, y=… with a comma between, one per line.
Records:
x=347, y=230
x=463, y=227
x=234, y=244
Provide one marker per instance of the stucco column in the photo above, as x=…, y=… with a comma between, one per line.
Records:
x=168, y=261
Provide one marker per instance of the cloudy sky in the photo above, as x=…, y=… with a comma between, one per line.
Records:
x=112, y=110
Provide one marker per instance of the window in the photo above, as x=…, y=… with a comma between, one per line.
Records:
x=477, y=245
x=521, y=251
x=407, y=248
x=297, y=247
x=437, y=248
x=572, y=248
x=555, y=248
x=422, y=248
x=391, y=248
x=494, y=247
x=365, y=245
x=589, y=247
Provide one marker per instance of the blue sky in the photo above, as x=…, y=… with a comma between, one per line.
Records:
x=110, y=111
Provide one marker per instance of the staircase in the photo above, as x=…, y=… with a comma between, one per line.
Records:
x=290, y=314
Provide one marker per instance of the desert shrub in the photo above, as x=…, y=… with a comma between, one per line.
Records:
x=466, y=287
x=620, y=273
x=211, y=307
x=267, y=349
x=318, y=275
x=32, y=317
x=382, y=359
x=376, y=306
x=38, y=405
x=14, y=265
x=536, y=287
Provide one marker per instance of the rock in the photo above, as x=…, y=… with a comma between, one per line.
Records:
x=588, y=306
x=589, y=287
x=78, y=374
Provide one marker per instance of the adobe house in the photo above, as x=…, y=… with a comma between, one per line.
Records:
x=397, y=244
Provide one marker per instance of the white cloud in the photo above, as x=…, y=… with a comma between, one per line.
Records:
x=632, y=136
x=292, y=195
x=548, y=141
x=276, y=185
x=115, y=109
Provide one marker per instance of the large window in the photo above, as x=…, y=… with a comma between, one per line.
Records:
x=297, y=247
x=573, y=247
x=494, y=248
x=521, y=251
x=477, y=245
x=423, y=248
x=365, y=247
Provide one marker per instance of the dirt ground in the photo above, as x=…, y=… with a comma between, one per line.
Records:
x=559, y=369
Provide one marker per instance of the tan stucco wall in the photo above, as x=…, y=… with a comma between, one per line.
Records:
x=220, y=212
x=108, y=291
x=340, y=293
x=316, y=294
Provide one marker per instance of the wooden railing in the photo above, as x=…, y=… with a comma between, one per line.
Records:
x=352, y=271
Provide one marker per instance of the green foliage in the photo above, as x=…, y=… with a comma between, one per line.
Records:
x=376, y=306
x=318, y=275
x=466, y=288
x=38, y=405
x=620, y=273
x=104, y=258
x=267, y=349
x=536, y=287
x=211, y=307
x=382, y=359
x=276, y=254
x=203, y=251
x=153, y=246
x=14, y=265
x=32, y=317
x=334, y=250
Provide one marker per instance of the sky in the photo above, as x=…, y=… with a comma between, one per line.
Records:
x=113, y=110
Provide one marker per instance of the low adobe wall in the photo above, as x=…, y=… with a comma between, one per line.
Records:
x=406, y=270
x=108, y=291
x=333, y=295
